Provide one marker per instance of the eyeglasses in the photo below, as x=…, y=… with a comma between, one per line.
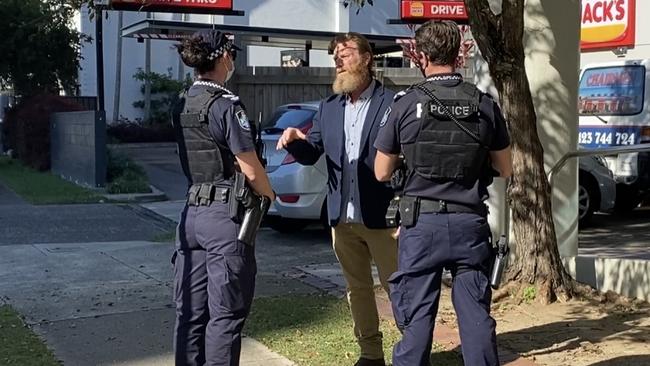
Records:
x=344, y=53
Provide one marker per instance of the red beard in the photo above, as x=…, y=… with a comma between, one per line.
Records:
x=348, y=81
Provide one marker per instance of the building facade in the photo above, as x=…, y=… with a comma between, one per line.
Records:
x=293, y=15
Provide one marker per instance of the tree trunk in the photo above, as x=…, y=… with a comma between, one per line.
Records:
x=537, y=262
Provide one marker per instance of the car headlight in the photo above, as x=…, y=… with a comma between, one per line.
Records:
x=600, y=160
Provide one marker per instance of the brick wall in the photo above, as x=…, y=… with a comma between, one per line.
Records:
x=79, y=147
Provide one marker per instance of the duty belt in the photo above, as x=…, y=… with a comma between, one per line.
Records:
x=206, y=193
x=441, y=206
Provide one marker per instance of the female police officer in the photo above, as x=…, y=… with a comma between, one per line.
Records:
x=214, y=272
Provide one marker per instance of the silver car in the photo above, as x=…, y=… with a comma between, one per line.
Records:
x=301, y=190
x=596, y=188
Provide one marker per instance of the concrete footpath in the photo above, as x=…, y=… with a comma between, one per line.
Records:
x=97, y=301
x=101, y=303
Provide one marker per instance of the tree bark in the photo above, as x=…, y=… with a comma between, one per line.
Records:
x=537, y=261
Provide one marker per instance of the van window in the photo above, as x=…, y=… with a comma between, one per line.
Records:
x=612, y=91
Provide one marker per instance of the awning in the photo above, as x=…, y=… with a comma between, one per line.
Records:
x=247, y=35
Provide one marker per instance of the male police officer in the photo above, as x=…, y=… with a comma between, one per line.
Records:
x=214, y=264
x=449, y=133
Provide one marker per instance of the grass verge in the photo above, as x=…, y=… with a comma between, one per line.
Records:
x=168, y=236
x=317, y=330
x=18, y=345
x=42, y=188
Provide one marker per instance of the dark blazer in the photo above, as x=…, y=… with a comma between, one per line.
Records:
x=327, y=135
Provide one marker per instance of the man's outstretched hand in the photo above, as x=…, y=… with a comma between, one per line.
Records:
x=289, y=135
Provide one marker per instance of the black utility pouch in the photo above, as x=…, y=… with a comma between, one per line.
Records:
x=392, y=213
x=235, y=206
x=408, y=211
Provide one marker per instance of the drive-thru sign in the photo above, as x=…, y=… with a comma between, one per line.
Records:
x=442, y=9
x=175, y=6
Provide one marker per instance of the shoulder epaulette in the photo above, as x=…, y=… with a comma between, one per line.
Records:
x=232, y=97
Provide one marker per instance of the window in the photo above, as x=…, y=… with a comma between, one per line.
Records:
x=612, y=91
x=291, y=117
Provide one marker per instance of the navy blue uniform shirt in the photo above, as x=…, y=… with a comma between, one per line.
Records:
x=229, y=124
x=400, y=126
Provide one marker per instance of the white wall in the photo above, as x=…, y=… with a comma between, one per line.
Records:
x=373, y=19
x=270, y=56
x=287, y=14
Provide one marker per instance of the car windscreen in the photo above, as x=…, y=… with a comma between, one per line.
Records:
x=612, y=91
x=290, y=117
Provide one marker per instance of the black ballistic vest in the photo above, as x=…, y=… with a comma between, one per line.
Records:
x=202, y=158
x=442, y=150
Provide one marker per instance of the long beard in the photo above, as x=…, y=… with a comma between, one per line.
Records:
x=349, y=81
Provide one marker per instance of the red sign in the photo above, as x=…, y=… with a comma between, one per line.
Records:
x=177, y=6
x=607, y=24
x=443, y=9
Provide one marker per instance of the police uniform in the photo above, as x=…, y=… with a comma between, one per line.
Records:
x=214, y=273
x=447, y=174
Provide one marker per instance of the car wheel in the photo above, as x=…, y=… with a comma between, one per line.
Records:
x=588, y=197
x=286, y=225
x=585, y=209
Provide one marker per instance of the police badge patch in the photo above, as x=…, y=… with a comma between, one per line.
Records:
x=385, y=118
x=243, y=120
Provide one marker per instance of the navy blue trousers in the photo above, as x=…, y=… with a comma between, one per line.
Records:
x=214, y=282
x=435, y=242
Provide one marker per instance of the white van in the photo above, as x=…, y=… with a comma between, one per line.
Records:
x=613, y=104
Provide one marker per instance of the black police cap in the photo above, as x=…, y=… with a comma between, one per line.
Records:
x=217, y=41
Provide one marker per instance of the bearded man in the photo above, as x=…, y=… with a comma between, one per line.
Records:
x=345, y=128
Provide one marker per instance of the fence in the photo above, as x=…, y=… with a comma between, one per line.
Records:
x=262, y=89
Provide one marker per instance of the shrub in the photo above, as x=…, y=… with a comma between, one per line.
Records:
x=164, y=93
x=129, y=182
x=125, y=176
x=126, y=132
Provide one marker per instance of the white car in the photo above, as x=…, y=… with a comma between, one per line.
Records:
x=301, y=189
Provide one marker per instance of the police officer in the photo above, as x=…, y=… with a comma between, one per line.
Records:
x=214, y=272
x=454, y=139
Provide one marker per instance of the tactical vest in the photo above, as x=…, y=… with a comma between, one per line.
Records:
x=442, y=150
x=205, y=161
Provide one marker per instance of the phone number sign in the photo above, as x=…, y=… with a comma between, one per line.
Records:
x=595, y=137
